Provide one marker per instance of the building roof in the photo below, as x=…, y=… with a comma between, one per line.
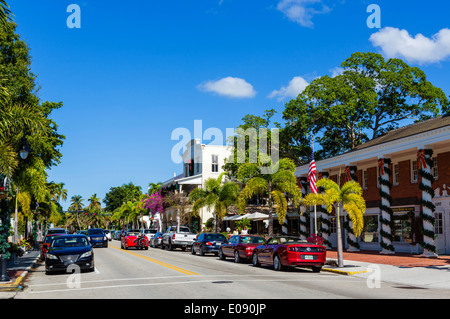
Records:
x=408, y=130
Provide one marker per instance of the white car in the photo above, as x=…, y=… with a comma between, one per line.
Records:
x=107, y=234
x=150, y=233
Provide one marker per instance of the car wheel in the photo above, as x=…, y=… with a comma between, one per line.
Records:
x=277, y=263
x=316, y=269
x=221, y=255
x=255, y=260
x=237, y=258
x=192, y=250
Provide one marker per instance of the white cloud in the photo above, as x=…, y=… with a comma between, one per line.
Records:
x=294, y=88
x=336, y=71
x=302, y=11
x=229, y=87
x=419, y=49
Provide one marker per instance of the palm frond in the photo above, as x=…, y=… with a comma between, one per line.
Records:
x=280, y=204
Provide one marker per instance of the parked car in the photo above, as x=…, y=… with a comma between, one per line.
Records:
x=289, y=251
x=134, y=238
x=67, y=250
x=55, y=231
x=107, y=234
x=149, y=233
x=97, y=237
x=116, y=235
x=155, y=241
x=208, y=243
x=240, y=247
x=46, y=243
x=174, y=238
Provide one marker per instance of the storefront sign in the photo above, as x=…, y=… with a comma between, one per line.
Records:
x=403, y=209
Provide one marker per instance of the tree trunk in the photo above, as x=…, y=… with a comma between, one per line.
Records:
x=339, y=239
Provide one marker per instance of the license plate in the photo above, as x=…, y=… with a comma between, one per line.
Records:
x=309, y=257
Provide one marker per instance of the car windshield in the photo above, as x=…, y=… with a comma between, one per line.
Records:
x=150, y=231
x=252, y=240
x=184, y=230
x=56, y=231
x=289, y=240
x=133, y=233
x=215, y=237
x=95, y=231
x=62, y=241
x=49, y=239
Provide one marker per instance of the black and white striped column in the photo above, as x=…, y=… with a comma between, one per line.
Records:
x=424, y=165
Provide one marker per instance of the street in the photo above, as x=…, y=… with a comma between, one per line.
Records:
x=161, y=274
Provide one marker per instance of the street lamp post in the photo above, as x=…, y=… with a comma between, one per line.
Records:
x=23, y=152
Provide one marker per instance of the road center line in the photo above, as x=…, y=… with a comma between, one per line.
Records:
x=184, y=271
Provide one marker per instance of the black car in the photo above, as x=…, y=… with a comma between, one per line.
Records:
x=208, y=243
x=68, y=250
x=97, y=237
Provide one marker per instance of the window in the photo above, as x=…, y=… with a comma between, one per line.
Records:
x=215, y=163
x=434, y=170
x=370, y=231
x=364, y=179
x=438, y=226
x=402, y=228
x=396, y=175
x=414, y=171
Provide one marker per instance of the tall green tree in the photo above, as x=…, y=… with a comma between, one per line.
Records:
x=369, y=98
x=274, y=187
x=121, y=194
x=23, y=118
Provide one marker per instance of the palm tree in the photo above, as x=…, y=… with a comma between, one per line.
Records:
x=280, y=181
x=349, y=196
x=5, y=13
x=61, y=192
x=77, y=206
x=94, y=203
x=215, y=195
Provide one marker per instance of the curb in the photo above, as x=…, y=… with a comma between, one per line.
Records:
x=344, y=272
x=16, y=284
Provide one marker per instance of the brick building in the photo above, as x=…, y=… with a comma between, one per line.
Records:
x=405, y=176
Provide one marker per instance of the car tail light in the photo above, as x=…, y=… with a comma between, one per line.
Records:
x=159, y=237
x=208, y=244
x=173, y=236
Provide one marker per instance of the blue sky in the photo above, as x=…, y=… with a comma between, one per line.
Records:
x=137, y=70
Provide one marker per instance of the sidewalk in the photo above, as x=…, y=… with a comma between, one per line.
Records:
x=400, y=268
x=18, y=269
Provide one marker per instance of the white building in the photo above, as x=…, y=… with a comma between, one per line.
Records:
x=200, y=162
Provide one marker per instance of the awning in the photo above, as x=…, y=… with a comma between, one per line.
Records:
x=231, y=218
x=254, y=216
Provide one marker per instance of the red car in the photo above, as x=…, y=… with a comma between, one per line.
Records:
x=289, y=251
x=46, y=243
x=134, y=238
x=240, y=247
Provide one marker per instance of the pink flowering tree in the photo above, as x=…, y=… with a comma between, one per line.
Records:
x=155, y=203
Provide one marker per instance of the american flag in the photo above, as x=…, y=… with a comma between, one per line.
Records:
x=312, y=174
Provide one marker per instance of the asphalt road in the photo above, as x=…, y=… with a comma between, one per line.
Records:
x=160, y=274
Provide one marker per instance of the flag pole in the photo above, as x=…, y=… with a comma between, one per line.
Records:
x=315, y=209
